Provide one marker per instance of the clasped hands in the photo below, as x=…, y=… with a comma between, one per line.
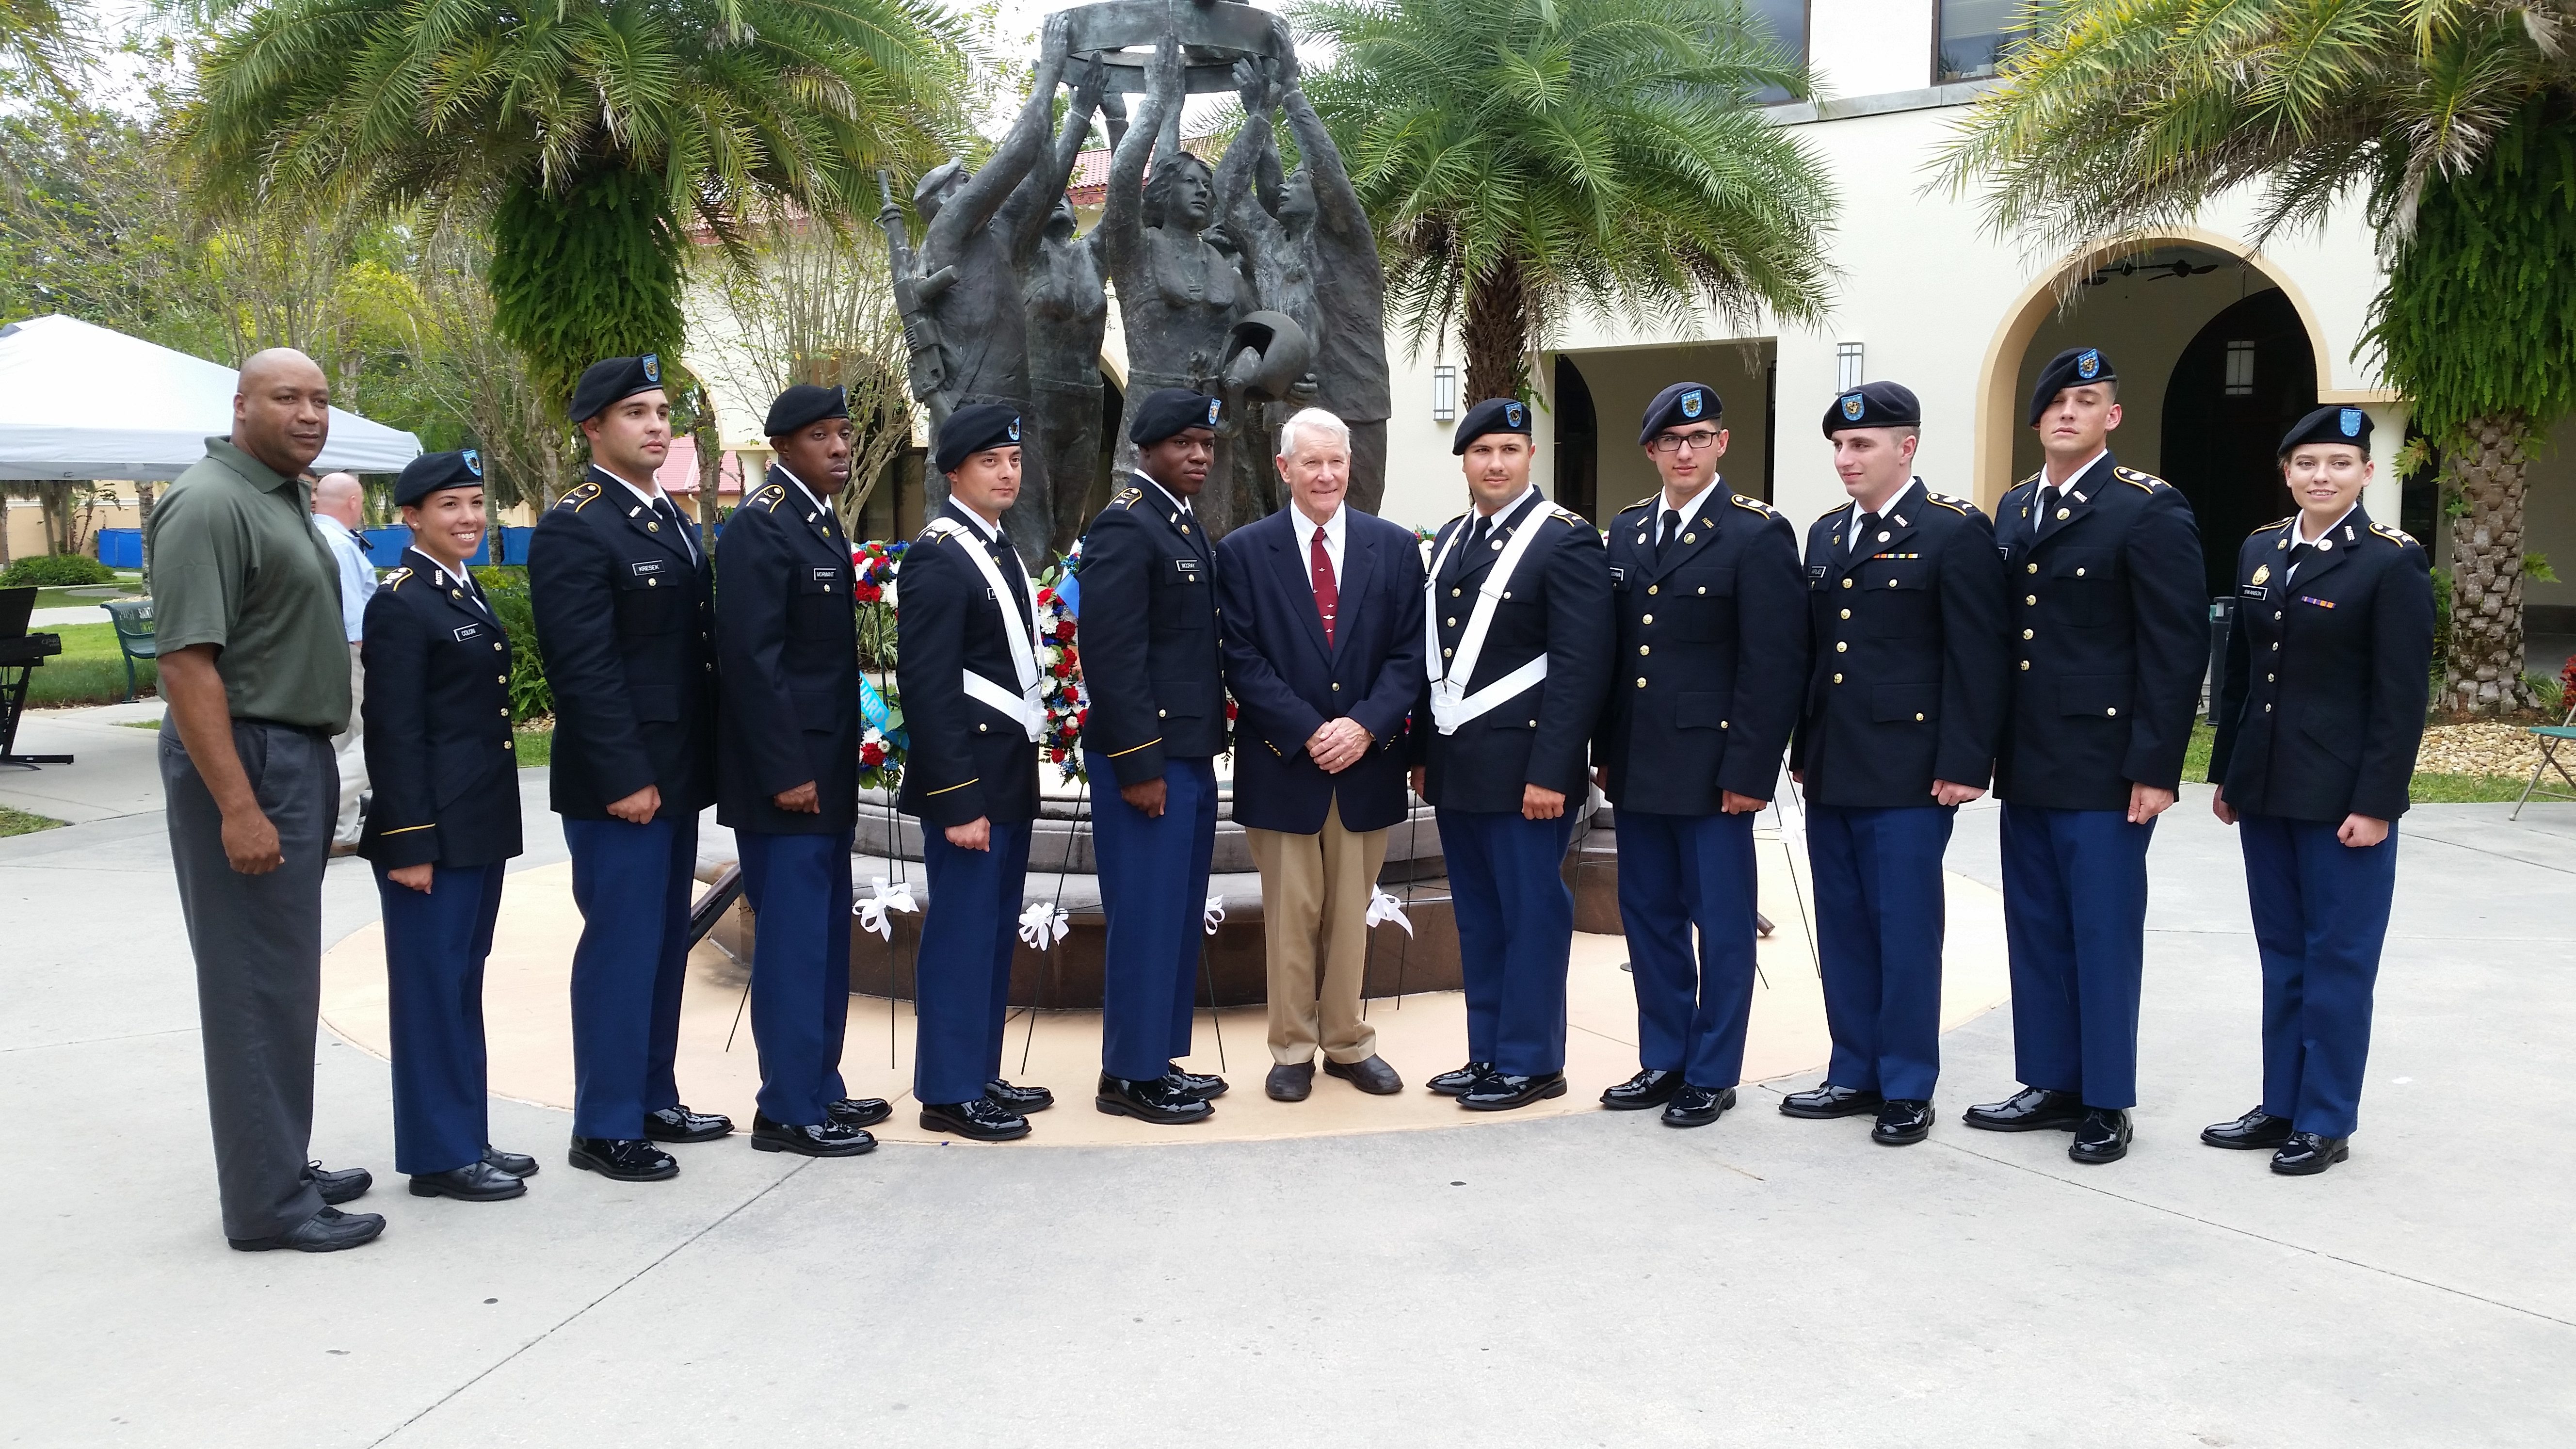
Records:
x=1338, y=744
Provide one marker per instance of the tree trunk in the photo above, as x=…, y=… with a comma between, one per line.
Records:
x=143, y=526
x=2482, y=674
x=710, y=470
x=1496, y=334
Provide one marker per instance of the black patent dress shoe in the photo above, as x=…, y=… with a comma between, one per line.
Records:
x=623, y=1159
x=517, y=1164
x=679, y=1124
x=2102, y=1137
x=1503, y=1091
x=327, y=1231
x=1455, y=1083
x=1827, y=1100
x=2256, y=1129
x=824, y=1139
x=476, y=1181
x=1902, y=1123
x=1153, y=1100
x=1649, y=1088
x=1194, y=1084
x=346, y=1185
x=2306, y=1154
x=1370, y=1074
x=1022, y=1100
x=2032, y=1109
x=1697, y=1106
x=858, y=1111
x=979, y=1120
x=1290, y=1081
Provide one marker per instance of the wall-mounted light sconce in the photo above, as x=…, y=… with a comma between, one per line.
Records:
x=1847, y=369
x=1444, y=394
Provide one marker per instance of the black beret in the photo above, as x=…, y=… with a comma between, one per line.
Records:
x=430, y=472
x=973, y=429
x=1172, y=410
x=2330, y=424
x=1683, y=402
x=614, y=380
x=1874, y=405
x=2074, y=367
x=1493, y=415
x=802, y=404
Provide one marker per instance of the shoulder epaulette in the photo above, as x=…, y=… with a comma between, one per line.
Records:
x=1753, y=505
x=579, y=498
x=1844, y=507
x=1959, y=506
x=2143, y=482
x=1568, y=516
x=1645, y=502
x=770, y=497
x=2275, y=523
x=395, y=579
x=1127, y=496
x=2396, y=535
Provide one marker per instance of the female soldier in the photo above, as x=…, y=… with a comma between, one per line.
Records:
x=2318, y=723
x=445, y=819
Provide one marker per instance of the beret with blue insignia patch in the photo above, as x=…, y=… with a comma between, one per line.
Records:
x=2075, y=367
x=611, y=381
x=1493, y=415
x=2330, y=424
x=1874, y=405
x=1683, y=402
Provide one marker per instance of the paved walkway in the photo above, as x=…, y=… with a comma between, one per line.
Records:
x=1585, y=1280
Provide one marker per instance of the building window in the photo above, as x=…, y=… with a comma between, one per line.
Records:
x=1847, y=373
x=1784, y=22
x=1972, y=35
x=2240, y=369
x=1444, y=394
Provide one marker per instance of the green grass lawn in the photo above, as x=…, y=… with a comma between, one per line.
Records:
x=84, y=595
x=19, y=822
x=90, y=670
x=534, y=746
x=2423, y=789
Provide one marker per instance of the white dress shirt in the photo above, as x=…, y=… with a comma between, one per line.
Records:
x=1857, y=511
x=1335, y=531
x=1655, y=522
x=2299, y=535
x=357, y=576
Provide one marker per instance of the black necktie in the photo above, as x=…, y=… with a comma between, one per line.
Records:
x=1007, y=559
x=2047, y=508
x=1861, y=531
x=2298, y=554
x=1664, y=540
x=1475, y=540
x=671, y=515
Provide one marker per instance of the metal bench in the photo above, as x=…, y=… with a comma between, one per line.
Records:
x=2551, y=737
x=133, y=621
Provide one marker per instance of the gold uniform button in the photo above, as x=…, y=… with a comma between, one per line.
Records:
x=1841, y=648
x=2276, y=646
x=979, y=729
x=2276, y=616
x=1838, y=679
x=2033, y=568
x=496, y=646
x=1445, y=653
x=1847, y=583
x=652, y=583
x=1647, y=620
x=2025, y=664
x=1453, y=593
x=1162, y=714
x=1891, y=583
x=1918, y=719
x=1641, y=681
x=1644, y=649
x=505, y=711
x=2030, y=598
x=1722, y=724
x=1451, y=621
x=2079, y=573
x=2267, y=679
x=1846, y=613
x=2110, y=712
x=505, y=744
x=1654, y=588
x=1703, y=588
x=1337, y=687
x=2026, y=633
x=1533, y=724
x=500, y=679
x=2267, y=709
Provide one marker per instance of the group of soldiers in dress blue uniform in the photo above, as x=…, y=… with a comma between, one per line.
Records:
x=1913, y=655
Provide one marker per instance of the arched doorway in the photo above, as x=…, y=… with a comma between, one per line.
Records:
x=1578, y=440
x=2240, y=383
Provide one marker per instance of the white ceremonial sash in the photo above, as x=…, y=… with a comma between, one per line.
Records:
x=1451, y=705
x=1027, y=705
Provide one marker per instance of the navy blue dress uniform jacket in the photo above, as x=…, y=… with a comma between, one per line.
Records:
x=787, y=658
x=1709, y=658
x=627, y=625
x=966, y=760
x=437, y=713
x=1287, y=682
x=2109, y=637
x=1150, y=655
x=1909, y=670
x=2322, y=708
x=1556, y=603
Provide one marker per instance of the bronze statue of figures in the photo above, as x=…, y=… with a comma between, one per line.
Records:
x=1006, y=301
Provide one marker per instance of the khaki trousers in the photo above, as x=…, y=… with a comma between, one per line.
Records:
x=1315, y=892
x=350, y=747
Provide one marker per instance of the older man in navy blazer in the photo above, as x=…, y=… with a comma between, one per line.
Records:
x=1322, y=629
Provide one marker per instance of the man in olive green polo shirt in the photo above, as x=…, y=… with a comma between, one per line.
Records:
x=254, y=665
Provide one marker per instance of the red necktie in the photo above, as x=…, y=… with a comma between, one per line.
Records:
x=1327, y=594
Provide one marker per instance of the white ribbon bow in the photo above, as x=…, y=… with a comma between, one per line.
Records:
x=876, y=912
x=1215, y=916
x=1043, y=924
x=1383, y=908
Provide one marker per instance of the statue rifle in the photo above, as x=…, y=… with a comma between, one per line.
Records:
x=925, y=362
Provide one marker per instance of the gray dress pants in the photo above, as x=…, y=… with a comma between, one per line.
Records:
x=258, y=944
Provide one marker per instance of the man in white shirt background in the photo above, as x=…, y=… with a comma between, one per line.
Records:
x=338, y=513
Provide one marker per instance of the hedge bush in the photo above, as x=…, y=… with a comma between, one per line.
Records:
x=56, y=571
x=506, y=585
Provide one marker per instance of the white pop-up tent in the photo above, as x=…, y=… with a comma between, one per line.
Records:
x=78, y=401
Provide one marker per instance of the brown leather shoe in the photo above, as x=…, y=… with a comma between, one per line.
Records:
x=1370, y=1074
x=1290, y=1081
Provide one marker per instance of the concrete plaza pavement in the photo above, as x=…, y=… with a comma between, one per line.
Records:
x=1591, y=1280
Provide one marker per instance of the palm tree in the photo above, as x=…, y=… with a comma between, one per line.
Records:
x=585, y=134
x=1525, y=157
x=37, y=42
x=2453, y=120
